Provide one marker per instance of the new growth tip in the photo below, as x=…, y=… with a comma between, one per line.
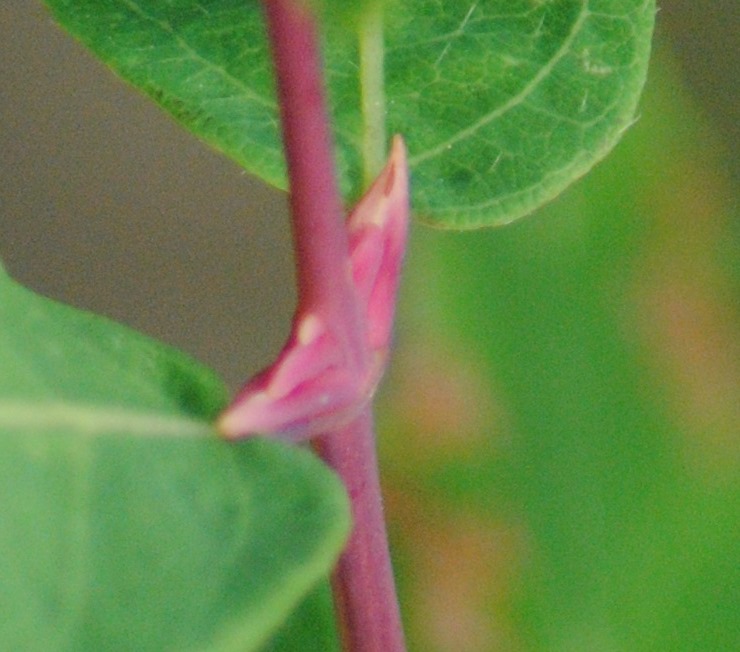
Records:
x=315, y=385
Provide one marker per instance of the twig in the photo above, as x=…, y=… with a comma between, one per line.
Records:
x=365, y=599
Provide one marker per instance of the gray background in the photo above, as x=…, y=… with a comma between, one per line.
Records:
x=105, y=203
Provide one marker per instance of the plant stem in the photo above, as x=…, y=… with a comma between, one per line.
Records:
x=320, y=240
x=372, y=91
x=363, y=580
x=364, y=590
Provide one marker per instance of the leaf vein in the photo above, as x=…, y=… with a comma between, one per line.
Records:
x=96, y=420
x=197, y=57
x=515, y=100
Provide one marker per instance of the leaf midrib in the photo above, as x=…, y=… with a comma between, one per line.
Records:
x=51, y=416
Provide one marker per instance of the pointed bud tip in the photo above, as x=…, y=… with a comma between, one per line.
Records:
x=397, y=164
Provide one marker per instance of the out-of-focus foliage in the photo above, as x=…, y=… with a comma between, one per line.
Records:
x=560, y=432
x=126, y=522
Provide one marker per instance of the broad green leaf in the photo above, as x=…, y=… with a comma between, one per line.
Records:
x=533, y=414
x=503, y=103
x=126, y=522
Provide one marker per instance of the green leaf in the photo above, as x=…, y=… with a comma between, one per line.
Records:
x=126, y=522
x=310, y=627
x=503, y=103
x=506, y=103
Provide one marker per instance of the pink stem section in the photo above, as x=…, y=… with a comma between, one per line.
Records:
x=364, y=590
x=320, y=239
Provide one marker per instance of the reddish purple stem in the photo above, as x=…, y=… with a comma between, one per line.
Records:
x=364, y=591
x=324, y=272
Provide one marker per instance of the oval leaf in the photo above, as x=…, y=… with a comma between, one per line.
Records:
x=503, y=103
x=126, y=523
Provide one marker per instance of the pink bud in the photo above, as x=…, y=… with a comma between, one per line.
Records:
x=313, y=388
x=377, y=230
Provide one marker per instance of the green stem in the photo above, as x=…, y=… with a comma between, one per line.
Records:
x=372, y=91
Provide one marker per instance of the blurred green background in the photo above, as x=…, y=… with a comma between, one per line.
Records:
x=560, y=432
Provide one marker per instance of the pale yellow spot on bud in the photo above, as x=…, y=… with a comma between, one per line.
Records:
x=309, y=329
